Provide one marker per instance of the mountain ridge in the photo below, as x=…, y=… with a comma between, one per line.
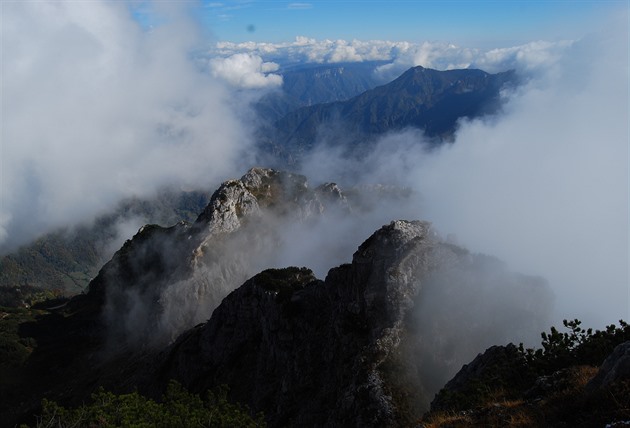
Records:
x=164, y=284
x=317, y=83
x=426, y=99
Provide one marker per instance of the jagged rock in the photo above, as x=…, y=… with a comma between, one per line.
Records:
x=342, y=351
x=331, y=192
x=228, y=205
x=272, y=187
x=166, y=280
x=615, y=368
x=498, y=365
x=346, y=351
x=308, y=352
x=152, y=253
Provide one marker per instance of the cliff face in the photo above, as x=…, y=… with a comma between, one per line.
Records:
x=347, y=351
x=367, y=346
x=308, y=352
x=166, y=280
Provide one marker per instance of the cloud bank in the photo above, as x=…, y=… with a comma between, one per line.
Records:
x=543, y=186
x=246, y=71
x=96, y=109
x=400, y=56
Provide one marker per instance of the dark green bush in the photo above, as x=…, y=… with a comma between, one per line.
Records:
x=179, y=408
x=575, y=347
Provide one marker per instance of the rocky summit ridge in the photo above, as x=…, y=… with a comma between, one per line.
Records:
x=194, y=266
x=351, y=350
x=309, y=352
x=367, y=346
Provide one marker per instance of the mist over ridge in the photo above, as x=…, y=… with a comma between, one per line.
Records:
x=543, y=184
x=517, y=185
x=344, y=232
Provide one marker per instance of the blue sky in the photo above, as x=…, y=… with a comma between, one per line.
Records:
x=472, y=23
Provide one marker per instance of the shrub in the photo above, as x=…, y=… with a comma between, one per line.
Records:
x=575, y=347
x=179, y=408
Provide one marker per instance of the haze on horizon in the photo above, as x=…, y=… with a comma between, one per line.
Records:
x=106, y=100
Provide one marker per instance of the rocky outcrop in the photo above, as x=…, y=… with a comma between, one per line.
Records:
x=615, y=368
x=498, y=365
x=506, y=386
x=166, y=280
x=308, y=352
x=228, y=207
x=339, y=352
x=368, y=346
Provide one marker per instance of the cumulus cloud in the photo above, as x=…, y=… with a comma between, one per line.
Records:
x=305, y=49
x=544, y=186
x=100, y=110
x=528, y=59
x=247, y=71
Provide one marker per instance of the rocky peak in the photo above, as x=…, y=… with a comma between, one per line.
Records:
x=615, y=368
x=272, y=187
x=228, y=206
x=352, y=350
x=496, y=365
x=388, y=267
x=331, y=193
x=162, y=271
x=343, y=352
x=152, y=252
x=306, y=351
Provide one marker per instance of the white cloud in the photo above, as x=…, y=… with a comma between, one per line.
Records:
x=305, y=49
x=528, y=59
x=100, y=110
x=246, y=71
x=543, y=186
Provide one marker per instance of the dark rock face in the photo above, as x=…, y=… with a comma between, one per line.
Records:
x=166, y=280
x=498, y=365
x=341, y=352
x=366, y=347
x=614, y=369
x=308, y=352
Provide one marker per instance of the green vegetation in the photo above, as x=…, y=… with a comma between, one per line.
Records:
x=26, y=296
x=179, y=408
x=575, y=347
x=14, y=350
x=540, y=387
x=68, y=259
x=58, y=261
x=284, y=281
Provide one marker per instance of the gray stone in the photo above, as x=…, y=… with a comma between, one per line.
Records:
x=615, y=368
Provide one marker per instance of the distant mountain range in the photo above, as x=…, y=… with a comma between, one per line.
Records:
x=430, y=100
x=310, y=84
